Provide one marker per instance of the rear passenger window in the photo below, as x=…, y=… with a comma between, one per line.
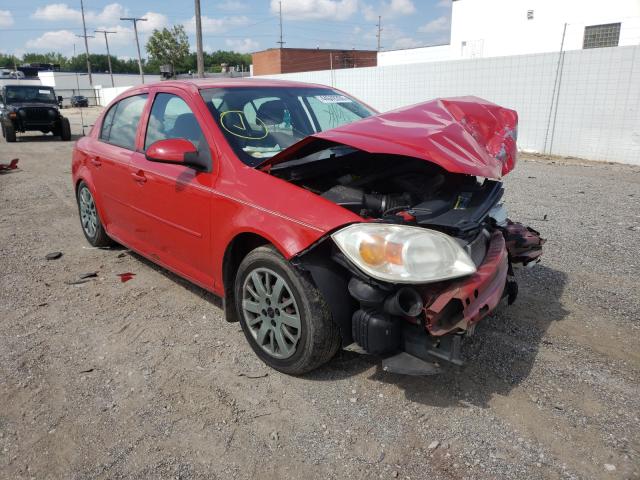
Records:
x=121, y=122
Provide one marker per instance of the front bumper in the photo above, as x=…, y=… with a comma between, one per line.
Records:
x=461, y=304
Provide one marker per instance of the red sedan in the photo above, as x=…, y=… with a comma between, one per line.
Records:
x=321, y=223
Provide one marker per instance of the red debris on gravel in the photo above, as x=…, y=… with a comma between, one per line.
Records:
x=125, y=277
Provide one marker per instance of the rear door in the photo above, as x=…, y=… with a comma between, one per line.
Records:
x=174, y=201
x=110, y=161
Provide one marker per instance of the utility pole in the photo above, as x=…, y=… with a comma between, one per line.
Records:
x=86, y=43
x=199, y=53
x=135, y=21
x=281, y=43
x=88, y=61
x=108, y=54
x=379, y=35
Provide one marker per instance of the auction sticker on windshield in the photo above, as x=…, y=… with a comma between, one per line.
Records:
x=333, y=99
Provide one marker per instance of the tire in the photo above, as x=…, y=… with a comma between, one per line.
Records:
x=89, y=219
x=9, y=133
x=268, y=325
x=65, y=129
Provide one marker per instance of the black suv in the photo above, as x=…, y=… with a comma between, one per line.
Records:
x=31, y=108
x=79, y=101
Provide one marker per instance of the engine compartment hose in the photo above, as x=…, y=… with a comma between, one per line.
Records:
x=406, y=302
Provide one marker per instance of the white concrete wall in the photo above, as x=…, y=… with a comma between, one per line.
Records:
x=13, y=81
x=598, y=112
x=414, y=55
x=69, y=80
x=106, y=95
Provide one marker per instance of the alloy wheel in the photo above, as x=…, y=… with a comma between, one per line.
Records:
x=271, y=313
x=88, y=214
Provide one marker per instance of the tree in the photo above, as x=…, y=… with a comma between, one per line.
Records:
x=169, y=47
x=8, y=61
x=50, y=57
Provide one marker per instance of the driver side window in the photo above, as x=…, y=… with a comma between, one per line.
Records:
x=171, y=117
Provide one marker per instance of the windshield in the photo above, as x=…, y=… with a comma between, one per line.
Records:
x=19, y=94
x=260, y=122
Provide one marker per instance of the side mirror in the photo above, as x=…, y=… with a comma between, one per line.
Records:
x=173, y=150
x=60, y=100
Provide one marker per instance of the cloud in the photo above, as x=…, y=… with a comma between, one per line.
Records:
x=406, y=42
x=63, y=41
x=443, y=4
x=315, y=9
x=389, y=9
x=232, y=6
x=56, y=40
x=216, y=25
x=58, y=12
x=440, y=24
x=155, y=21
x=246, y=45
x=6, y=18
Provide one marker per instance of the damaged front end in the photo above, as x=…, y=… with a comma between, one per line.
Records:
x=435, y=251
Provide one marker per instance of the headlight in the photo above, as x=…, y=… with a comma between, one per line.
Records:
x=403, y=254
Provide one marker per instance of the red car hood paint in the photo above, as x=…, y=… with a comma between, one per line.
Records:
x=462, y=135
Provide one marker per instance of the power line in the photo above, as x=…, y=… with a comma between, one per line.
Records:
x=135, y=21
x=106, y=41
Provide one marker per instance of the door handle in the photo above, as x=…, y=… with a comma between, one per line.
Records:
x=139, y=176
x=95, y=161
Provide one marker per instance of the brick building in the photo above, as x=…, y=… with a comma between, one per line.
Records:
x=291, y=60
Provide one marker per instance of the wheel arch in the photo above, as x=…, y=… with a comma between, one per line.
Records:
x=236, y=250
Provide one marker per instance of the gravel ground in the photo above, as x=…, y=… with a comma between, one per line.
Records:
x=145, y=379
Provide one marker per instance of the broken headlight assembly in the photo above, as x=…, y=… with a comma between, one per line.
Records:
x=403, y=254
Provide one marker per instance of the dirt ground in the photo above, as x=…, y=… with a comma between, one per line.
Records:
x=145, y=379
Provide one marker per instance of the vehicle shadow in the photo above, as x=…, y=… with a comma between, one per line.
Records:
x=186, y=284
x=498, y=357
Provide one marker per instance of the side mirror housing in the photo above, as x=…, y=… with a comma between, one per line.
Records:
x=173, y=150
x=60, y=101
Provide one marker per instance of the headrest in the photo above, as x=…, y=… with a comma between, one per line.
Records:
x=272, y=112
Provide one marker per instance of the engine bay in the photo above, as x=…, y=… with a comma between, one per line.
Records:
x=396, y=189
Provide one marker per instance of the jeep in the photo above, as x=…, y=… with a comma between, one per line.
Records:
x=31, y=108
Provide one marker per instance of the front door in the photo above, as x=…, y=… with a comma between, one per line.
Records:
x=174, y=201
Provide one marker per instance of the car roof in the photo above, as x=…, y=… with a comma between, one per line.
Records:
x=203, y=83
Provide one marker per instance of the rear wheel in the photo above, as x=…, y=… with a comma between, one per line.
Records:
x=282, y=314
x=89, y=218
x=65, y=129
x=9, y=133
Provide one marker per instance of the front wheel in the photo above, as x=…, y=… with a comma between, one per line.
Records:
x=89, y=218
x=283, y=315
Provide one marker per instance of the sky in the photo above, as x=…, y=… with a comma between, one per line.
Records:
x=240, y=25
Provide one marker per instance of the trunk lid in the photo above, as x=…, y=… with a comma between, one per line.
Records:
x=462, y=135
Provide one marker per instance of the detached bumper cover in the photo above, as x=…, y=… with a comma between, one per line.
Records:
x=461, y=304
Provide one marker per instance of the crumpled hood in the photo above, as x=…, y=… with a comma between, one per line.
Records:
x=462, y=135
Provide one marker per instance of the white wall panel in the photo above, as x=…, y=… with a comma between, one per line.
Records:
x=598, y=108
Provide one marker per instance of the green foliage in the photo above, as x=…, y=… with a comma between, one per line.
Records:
x=8, y=61
x=166, y=46
x=50, y=57
x=169, y=47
